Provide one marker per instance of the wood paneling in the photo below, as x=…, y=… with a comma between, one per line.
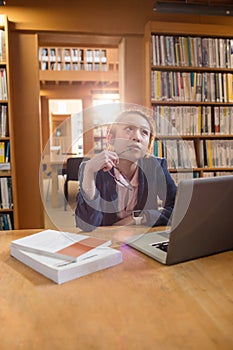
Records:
x=25, y=112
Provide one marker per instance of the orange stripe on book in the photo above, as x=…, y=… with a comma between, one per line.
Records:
x=79, y=248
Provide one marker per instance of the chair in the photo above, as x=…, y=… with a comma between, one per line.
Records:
x=71, y=173
x=46, y=175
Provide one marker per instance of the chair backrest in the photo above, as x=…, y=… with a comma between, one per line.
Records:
x=72, y=167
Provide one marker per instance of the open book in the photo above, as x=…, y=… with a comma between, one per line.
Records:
x=58, y=269
x=58, y=244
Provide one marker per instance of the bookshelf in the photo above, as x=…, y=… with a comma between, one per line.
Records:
x=189, y=85
x=8, y=208
x=87, y=72
x=73, y=63
x=100, y=138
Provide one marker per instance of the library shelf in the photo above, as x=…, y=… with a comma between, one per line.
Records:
x=8, y=195
x=78, y=64
x=189, y=85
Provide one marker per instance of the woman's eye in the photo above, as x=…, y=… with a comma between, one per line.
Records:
x=145, y=132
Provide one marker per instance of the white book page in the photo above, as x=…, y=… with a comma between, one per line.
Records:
x=49, y=240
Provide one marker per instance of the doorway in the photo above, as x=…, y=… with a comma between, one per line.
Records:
x=73, y=78
x=86, y=73
x=66, y=125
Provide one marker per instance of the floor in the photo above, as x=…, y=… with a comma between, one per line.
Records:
x=59, y=218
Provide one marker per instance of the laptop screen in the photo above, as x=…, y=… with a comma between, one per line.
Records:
x=202, y=219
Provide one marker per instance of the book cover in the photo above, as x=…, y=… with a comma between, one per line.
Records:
x=63, y=245
x=61, y=271
x=2, y=152
x=5, y=204
x=3, y=121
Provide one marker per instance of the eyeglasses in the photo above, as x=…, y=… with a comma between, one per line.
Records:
x=123, y=180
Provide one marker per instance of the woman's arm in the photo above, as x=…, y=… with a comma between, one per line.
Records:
x=166, y=190
x=90, y=202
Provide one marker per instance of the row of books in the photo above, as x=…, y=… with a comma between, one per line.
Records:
x=2, y=46
x=3, y=84
x=6, y=200
x=191, y=51
x=72, y=55
x=66, y=66
x=178, y=153
x=216, y=153
x=3, y=121
x=191, y=86
x=179, y=176
x=216, y=173
x=6, y=222
x=182, y=153
x=193, y=120
x=4, y=152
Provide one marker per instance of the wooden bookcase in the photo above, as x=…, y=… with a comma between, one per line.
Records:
x=100, y=138
x=87, y=71
x=8, y=209
x=78, y=63
x=189, y=84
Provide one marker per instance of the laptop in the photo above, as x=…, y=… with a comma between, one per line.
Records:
x=202, y=223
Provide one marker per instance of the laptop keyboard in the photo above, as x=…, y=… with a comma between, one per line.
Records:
x=163, y=246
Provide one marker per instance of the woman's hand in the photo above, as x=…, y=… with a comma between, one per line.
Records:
x=104, y=160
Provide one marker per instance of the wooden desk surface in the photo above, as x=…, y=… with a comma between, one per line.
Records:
x=139, y=304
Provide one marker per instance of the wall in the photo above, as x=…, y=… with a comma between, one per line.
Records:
x=102, y=16
x=26, y=124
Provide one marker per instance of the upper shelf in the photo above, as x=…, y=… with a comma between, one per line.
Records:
x=78, y=64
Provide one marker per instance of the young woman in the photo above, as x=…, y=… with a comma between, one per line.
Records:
x=125, y=178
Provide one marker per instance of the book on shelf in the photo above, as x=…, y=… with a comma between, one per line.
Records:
x=6, y=193
x=3, y=84
x=3, y=121
x=216, y=153
x=5, y=166
x=61, y=270
x=2, y=45
x=6, y=222
x=63, y=245
x=2, y=151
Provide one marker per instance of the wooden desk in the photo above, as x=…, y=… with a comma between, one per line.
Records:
x=139, y=304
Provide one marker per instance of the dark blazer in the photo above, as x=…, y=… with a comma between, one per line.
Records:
x=154, y=182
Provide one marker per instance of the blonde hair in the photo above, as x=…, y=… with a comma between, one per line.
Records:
x=120, y=118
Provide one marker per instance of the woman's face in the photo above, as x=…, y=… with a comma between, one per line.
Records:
x=131, y=137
